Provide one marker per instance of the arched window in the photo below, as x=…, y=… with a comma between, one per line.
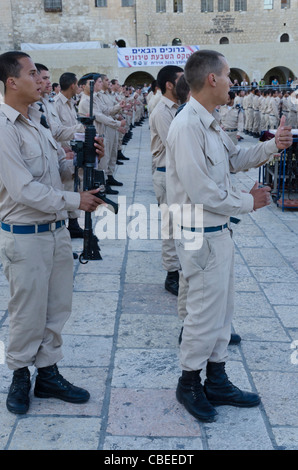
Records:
x=176, y=42
x=284, y=38
x=224, y=40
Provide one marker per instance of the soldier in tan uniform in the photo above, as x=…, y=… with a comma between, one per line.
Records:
x=231, y=119
x=35, y=245
x=257, y=116
x=159, y=121
x=249, y=121
x=65, y=107
x=273, y=110
x=199, y=157
x=286, y=106
x=102, y=121
x=107, y=105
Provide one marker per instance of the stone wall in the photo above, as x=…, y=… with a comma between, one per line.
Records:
x=79, y=20
x=193, y=27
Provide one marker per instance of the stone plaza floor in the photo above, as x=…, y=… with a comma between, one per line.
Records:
x=121, y=342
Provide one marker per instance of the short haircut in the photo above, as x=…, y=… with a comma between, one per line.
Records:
x=167, y=74
x=10, y=65
x=66, y=80
x=182, y=89
x=199, y=65
x=232, y=95
x=41, y=67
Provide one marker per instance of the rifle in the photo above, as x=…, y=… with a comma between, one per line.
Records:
x=85, y=158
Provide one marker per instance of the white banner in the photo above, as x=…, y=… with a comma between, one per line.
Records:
x=154, y=56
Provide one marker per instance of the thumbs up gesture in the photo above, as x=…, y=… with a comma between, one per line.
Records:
x=283, y=136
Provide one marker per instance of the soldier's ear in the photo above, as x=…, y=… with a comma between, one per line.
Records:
x=211, y=79
x=10, y=83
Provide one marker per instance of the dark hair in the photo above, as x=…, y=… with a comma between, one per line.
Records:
x=199, y=65
x=54, y=85
x=41, y=67
x=88, y=76
x=66, y=80
x=10, y=65
x=231, y=95
x=167, y=74
x=182, y=89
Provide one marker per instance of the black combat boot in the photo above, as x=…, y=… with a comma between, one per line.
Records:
x=120, y=156
x=112, y=182
x=172, y=282
x=18, y=396
x=50, y=384
x=220, y=391
x=190, y=393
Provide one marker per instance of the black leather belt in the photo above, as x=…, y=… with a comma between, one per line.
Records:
x=206, y=229
x=24, y=229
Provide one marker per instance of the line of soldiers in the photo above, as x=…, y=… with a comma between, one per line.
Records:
x=253, y=111
x=117, y=110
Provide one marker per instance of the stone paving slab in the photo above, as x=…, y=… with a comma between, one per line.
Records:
x=121, y=342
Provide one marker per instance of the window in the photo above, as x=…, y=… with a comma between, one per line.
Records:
x=268, y=4
x=224, y=41
x=284, y=38
x=128, y=3
x=178, y=6
x=223, y=5
x=160, y=6
x=176, y=42
x=53, y=5
x=285, y=3
x=240, y=5
x=101, y=3
x=207, y=5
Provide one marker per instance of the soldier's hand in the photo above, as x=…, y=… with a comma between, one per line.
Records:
x=122, y=130
x=99, y=145
x=283, y=136
x=261, y=196
x=89, y=201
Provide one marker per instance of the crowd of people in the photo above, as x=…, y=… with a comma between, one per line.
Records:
x=193, y=154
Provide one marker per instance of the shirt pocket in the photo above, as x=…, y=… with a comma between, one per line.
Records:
x=215, y=161
x=34, y=160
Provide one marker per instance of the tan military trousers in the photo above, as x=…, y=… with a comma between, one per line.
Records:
x=39, y=268
x=206, y=299
x=170, y=261
x=111, y=149
x=249, y=122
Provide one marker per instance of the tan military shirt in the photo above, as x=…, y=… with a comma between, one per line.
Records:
x=101, y=119
x=231, y=118
x=61, y=131
x=107, y=103
x=31, y=190
x=199, y=158
x=160, y=120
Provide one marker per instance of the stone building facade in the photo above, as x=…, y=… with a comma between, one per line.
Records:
x=258, y=37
